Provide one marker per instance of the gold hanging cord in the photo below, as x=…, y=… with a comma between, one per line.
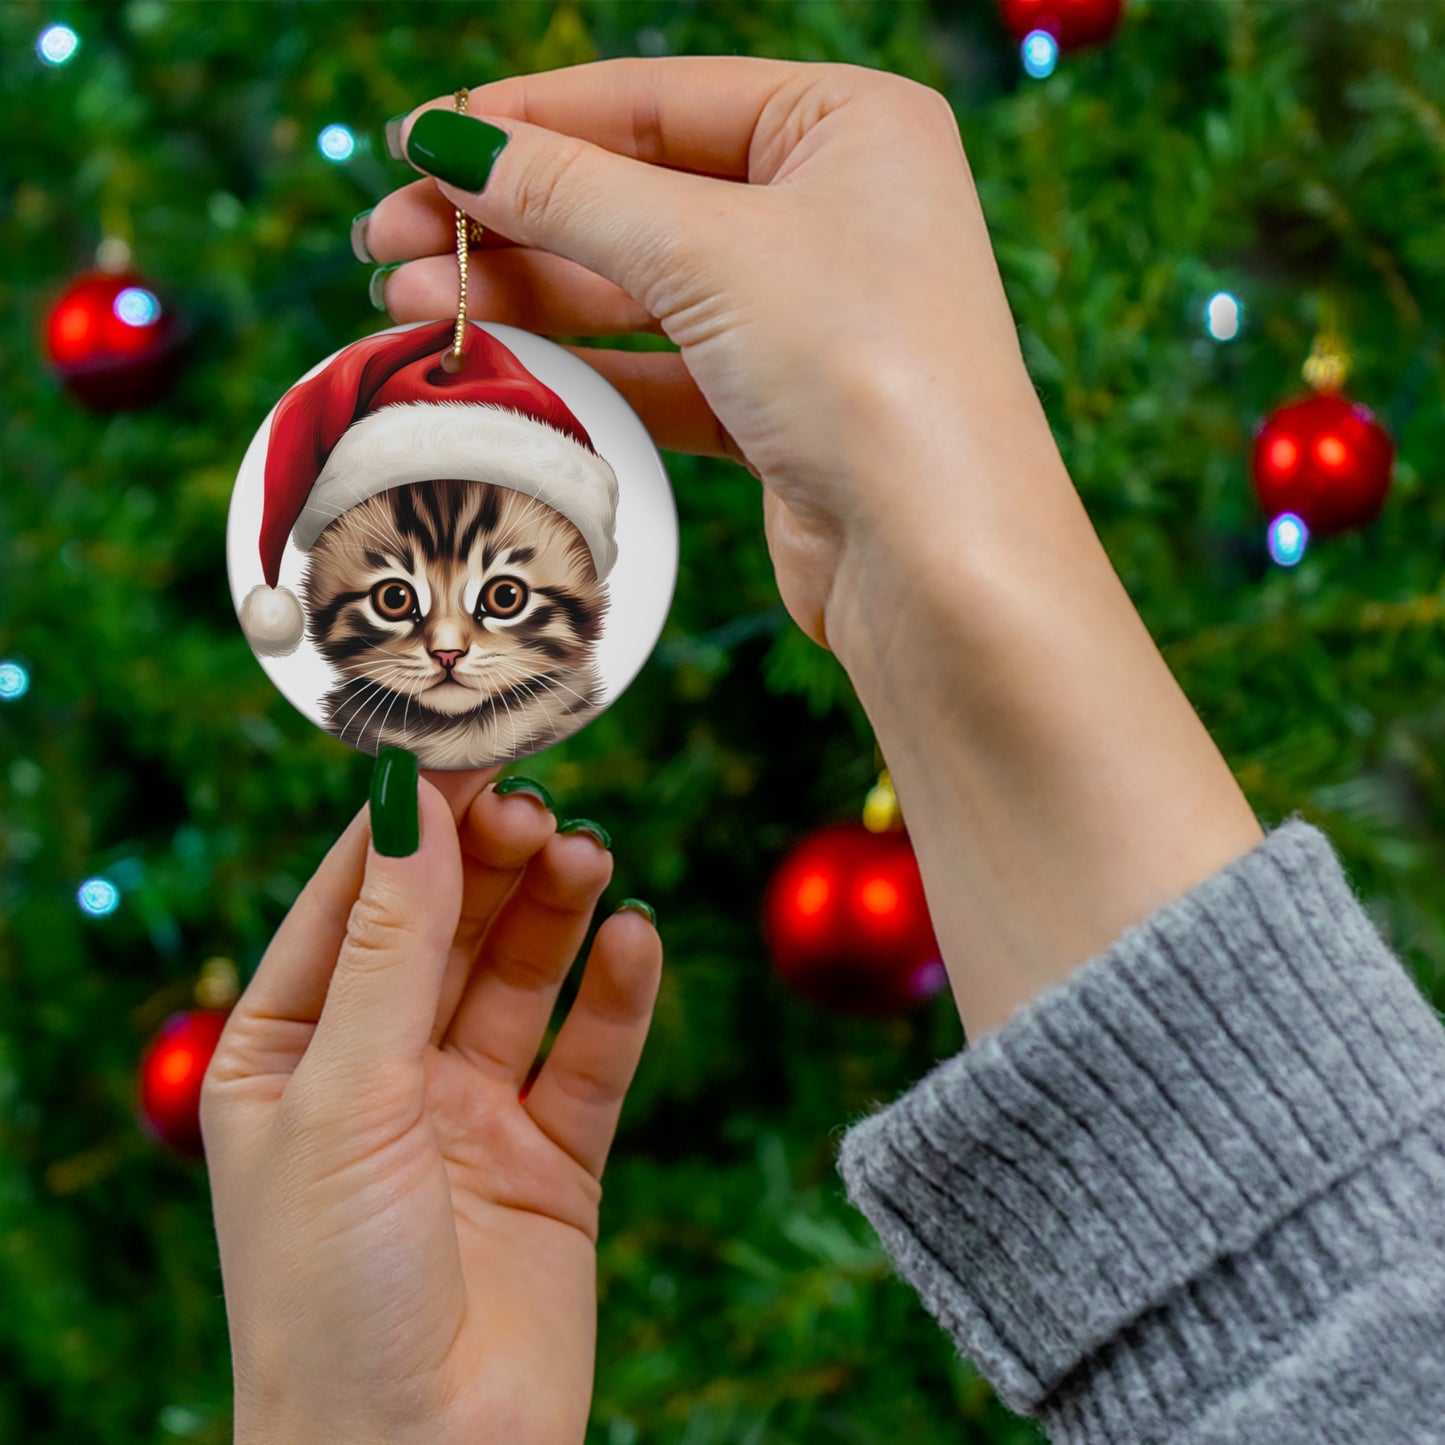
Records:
x=468, y=230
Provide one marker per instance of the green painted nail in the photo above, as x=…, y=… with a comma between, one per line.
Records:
x=455, y=148
x=395, y=811
x=586, y=825
x=392, y=132
x=376, y=288
x=359, y=248
x=525, y=785
x=636, y=905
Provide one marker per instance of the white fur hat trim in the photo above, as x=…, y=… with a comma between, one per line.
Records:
x=479, y=442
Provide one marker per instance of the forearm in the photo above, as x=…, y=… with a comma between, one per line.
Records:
x=1056, y=782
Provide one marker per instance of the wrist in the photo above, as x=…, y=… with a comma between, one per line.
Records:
x=948, y=520
x=1057, y=784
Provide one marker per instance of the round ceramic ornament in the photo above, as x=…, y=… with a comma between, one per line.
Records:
x=455, y=539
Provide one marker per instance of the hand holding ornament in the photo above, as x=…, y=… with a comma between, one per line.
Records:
x=407, y=1222
x=811, y=239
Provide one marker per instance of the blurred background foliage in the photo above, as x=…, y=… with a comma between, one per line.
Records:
x=1289, y=153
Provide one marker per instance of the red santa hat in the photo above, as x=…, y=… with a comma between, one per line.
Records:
x=384, y=413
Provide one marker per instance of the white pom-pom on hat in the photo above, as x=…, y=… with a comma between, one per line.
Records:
x=272, y=619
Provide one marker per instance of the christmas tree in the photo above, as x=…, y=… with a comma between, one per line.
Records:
x=1179, y=215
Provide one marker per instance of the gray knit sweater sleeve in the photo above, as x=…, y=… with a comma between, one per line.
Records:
x=1196, y=1192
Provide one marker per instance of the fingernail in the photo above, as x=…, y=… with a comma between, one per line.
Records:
x=455, y=148
x=395, y=812
x=636, y=905
x=393, y=136
x=512, y=785
x=586, y=825
x=359, y=248
x=376, y=288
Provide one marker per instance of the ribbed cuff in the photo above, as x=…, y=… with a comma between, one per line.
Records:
x=1142, y=1181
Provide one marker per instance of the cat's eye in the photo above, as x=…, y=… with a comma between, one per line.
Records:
x=395, y=600
x=503, y=597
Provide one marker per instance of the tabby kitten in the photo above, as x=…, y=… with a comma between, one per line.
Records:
x=462, y=618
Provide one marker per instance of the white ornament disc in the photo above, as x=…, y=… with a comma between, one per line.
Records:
x=469, y=565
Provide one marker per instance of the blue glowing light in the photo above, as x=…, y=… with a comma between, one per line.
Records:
x=1288, y=538
x=336, y=143
x=1223, y=316
x=98, y=897
x=1040, y=52
x=137, y=307
x=57, y=44
x=14, y=681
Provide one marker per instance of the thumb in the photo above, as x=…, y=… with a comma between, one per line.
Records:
x=382, y=1000
x=634, y=224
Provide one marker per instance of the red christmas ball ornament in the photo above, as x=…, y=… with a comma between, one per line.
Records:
x=171, y=1071
x=847, y=923
x=112, y=341
x=1073, y=23
x=1326, y=459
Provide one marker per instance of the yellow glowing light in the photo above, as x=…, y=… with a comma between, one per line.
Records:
x=1283, y=454
x=72, y=326
x=177, y=1067
x=879, y=897
x=812, y=895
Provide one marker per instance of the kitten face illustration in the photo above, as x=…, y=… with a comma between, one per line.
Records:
x=462, y=619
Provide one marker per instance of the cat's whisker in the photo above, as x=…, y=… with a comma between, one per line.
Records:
x=371, y=520
x=376, y=679
x=505, y=538
x=380, y=673
x=383, y=515
x=556, y=736
x=530, y=508
x=355, y=709
x=540, y=680
x=381, y=730
x=390, y=659
x=406, y=736
x=382, y=693
x=401, y=664
x=391, y=545
x=553, y=680
x=551, y=721
x=359, y=508
x=523, y=506
x=581, y=697
x=355, y=494
x=511, y=722
x=358, y=681
x=386, y=689
x=365, y=684
x=397, y=680
x=508, y=505
x=552, y=685
x=502, y=695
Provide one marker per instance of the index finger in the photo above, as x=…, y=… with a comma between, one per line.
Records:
x=695, y=113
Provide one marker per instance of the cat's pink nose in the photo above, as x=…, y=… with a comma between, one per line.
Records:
x=448, y=659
